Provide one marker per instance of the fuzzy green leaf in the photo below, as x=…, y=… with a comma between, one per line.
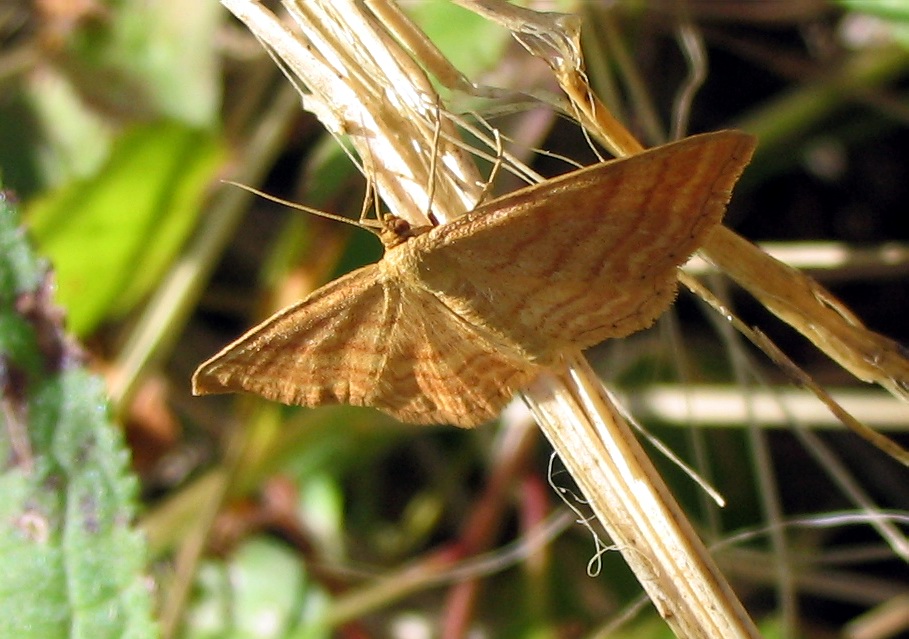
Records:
x=71, y=564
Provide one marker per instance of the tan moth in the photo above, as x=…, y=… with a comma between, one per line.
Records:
x=454, y=319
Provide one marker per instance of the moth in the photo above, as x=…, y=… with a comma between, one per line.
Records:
x=454, y=319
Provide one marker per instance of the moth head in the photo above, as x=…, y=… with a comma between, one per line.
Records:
x=396, y=230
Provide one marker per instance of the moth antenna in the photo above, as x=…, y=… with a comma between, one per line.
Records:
x=362, y=223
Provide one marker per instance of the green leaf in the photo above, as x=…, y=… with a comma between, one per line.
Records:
x=111, y=237
x=71, y=564
x=19, y=269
